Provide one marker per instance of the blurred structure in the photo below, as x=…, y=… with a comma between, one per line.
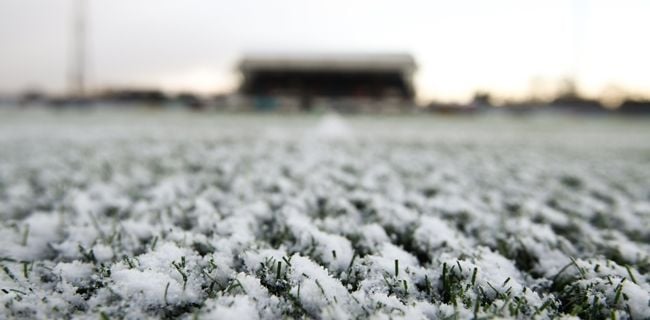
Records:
x=149, y=97
x=342, y=82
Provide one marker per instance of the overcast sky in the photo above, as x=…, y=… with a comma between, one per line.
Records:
x=460, y=46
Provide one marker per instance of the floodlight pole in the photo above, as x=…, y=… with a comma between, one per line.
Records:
x=78, y=63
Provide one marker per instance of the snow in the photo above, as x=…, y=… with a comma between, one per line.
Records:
x=144, y=214
x=637, y=300
x=496, y=270
x=30, y=240
x=433, y=234
x=335, y=251
x=102, y=253
x=239, y=307
x=147, y=288
x=333, y=127
x=319, y=292
x=74, y=272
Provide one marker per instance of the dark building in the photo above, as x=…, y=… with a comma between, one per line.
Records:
x=307, y=77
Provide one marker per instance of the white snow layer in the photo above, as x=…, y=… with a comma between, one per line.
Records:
x=221, y=217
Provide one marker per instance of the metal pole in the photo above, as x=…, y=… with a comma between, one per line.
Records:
x=79, y=50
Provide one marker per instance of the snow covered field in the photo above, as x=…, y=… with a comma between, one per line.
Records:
x=147, y=214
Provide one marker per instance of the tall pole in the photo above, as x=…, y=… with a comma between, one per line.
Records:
x=579, y=8
x=78, y=63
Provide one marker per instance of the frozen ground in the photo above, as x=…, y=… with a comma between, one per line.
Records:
x=169, y=214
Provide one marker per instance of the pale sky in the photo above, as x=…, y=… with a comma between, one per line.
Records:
x=460, y=46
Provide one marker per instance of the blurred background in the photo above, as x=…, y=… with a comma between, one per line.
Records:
x=468, y=56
